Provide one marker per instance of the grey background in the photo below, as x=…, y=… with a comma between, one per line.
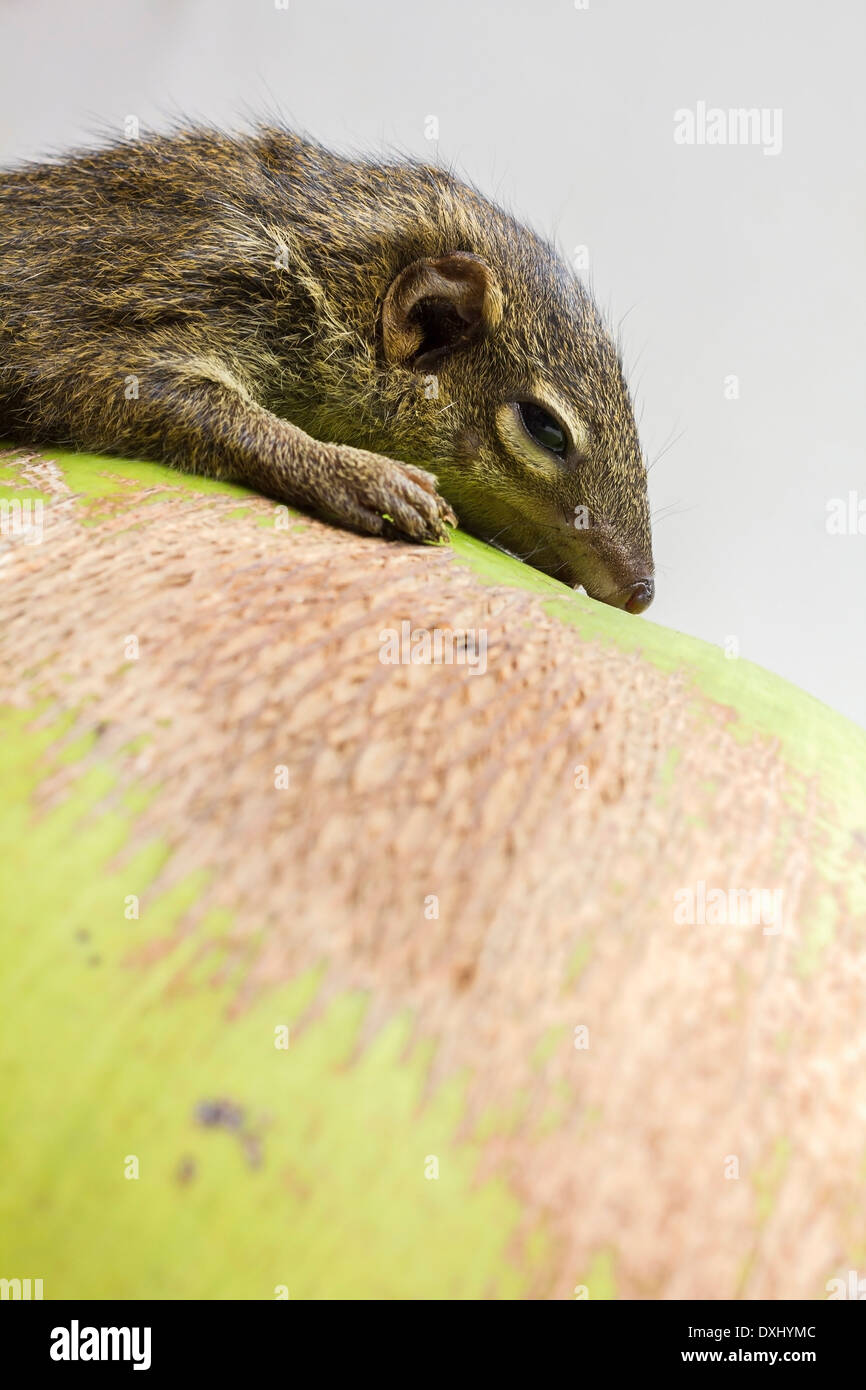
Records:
x=724, y=260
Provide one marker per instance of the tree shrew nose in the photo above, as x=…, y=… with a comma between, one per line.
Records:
x=640, y=596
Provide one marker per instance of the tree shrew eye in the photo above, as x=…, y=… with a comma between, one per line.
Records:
x=541, y=426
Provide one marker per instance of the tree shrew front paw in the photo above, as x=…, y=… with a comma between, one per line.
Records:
x=383, y=497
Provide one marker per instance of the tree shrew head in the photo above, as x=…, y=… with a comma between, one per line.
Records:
x=513, y=393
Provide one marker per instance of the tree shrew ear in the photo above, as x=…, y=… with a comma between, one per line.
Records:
x=435, y=306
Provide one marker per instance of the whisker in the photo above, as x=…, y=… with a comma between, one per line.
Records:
x=669, y=444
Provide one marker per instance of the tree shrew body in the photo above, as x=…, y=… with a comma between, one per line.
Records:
x=374, y=342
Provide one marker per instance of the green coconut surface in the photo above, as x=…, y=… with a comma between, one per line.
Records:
x=112, y=1187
